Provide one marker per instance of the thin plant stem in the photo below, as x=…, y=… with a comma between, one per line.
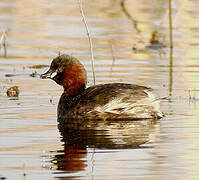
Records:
x=170, y=25
x=89, y=38
x=122, y=4
x=24, y=170
x=171, y=47
x=3, y=42
x=113, y=58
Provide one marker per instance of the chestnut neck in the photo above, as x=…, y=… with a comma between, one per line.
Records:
x=74, y=79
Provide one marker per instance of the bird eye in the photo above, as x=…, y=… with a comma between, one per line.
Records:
x=54, y=66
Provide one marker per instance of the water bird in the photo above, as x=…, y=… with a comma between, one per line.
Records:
x=103, y=101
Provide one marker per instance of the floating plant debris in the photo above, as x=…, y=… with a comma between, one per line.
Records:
x=10, y=75
x=34, y=74
x=13, y=91
x=39, y=66
x=155, y=42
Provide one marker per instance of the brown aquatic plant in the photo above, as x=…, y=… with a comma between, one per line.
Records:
x=38, y=66
x=13, y=91
x=154, y=38
x=135, y=23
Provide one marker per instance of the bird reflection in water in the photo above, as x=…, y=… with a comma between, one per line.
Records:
x=78, y=135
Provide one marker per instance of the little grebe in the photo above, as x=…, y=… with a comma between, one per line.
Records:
x=103, y=101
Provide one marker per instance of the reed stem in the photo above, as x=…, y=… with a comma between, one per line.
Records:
x=89, y=38
x=171, y=48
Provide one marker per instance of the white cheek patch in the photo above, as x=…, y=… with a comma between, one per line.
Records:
x=53, y=74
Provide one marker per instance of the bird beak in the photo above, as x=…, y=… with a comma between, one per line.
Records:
x=47, y=75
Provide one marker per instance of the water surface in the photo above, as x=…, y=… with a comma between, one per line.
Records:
x=30, y=141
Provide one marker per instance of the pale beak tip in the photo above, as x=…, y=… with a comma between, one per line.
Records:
x=45, y=75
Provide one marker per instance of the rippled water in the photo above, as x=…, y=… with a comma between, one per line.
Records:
x=31, y=142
